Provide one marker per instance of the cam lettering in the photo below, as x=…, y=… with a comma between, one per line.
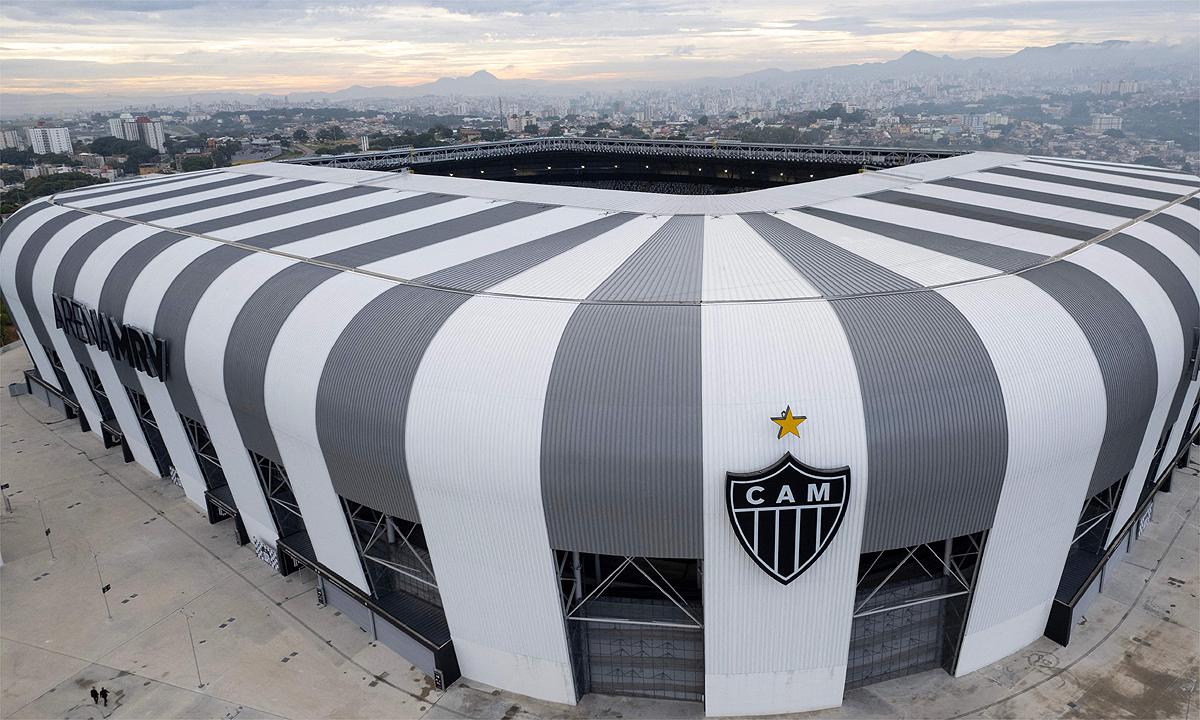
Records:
x=785, y=496
x=125, y=343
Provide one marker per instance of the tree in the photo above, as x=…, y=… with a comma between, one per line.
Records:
x=330, y=133
x=1154, y=160
x=300, y=135
x=531, y=128
x=195, y=162
x=11, y=176
x=555, y=130
x=702, y=120
x=45, y=185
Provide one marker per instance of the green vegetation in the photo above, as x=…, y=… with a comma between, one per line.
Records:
x=195, y=162
x=8, y=331
x=46, y=185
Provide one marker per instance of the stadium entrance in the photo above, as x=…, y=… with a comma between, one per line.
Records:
x=910, y=609
x=634, y=624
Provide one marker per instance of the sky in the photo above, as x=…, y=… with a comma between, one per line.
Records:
x=280, y=46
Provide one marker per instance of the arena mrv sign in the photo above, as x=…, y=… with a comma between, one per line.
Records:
x=136, y=348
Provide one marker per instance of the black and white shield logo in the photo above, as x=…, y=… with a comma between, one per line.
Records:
x=786, y=515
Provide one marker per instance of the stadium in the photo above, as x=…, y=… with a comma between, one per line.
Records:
x=736, y=440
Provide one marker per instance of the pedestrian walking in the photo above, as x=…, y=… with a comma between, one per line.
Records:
x=95, y=695
x=104, y=695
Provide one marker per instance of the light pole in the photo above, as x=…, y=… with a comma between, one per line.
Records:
x=103, y=588
x=45, y=528
x=195, y=659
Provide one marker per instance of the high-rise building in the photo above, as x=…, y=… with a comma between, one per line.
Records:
x=141, y=129
x=11, y=140
x=44, y=140
x=1100, y=123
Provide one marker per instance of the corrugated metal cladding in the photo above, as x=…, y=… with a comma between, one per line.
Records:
x=68, y=273
x=250, y=341
x=386, y=341
x=628, y=375
x=480, y=385
x=210, y=203
x=175, y=314
x=925, y=377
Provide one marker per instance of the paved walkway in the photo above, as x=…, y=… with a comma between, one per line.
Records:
x=201, y=628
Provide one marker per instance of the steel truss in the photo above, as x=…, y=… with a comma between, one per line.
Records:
x=278, y=490
x=868, y=157
x=1097, y=514
x=394, y=552
x=205, y=452
x=634, y=624
x=911, y=607
x=151, y=431
x=98, y=392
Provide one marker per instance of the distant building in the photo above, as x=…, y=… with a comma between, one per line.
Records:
x=43, y=140
x=12, y=140
x=1100, y=123
x=515, y=123
x=364, y=142
x=140, y=129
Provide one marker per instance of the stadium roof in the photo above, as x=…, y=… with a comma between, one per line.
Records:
x=929, y=225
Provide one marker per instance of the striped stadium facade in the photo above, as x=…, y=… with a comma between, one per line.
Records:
x=507, y=425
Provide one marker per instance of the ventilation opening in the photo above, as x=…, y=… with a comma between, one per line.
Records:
x=277, y=489
x=911, y=608
x=634, y=624
x=1090, y=539
x=98, y=393
x=394, y=554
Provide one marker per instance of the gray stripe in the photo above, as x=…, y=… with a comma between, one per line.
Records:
x=72, y=264
x=1179, y=290
x=1078, y=182
x=1068, y=230
x=1042, y=197
x=258, y=192
x=1193, y=203
x=486, y=271
x=1125, y=353
x=343, y=221
x=392, y=245
x=1120, y=347
x=249, y=348
x=1182, y=180
x=1004, y=259
x=19, y=217
x=1178, y=227
x=621, y=433
x=382, y=346
x=169, y=194
x=175, y=315
x=120, y=280
x=271, y=211
x=836, y=271
x=1114, y=165
x=27, y=260
x=925, y=376
x=128, y=186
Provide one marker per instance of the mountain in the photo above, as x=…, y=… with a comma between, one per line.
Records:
x=1133, y=59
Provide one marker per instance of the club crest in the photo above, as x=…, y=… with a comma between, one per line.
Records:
x=786, y=515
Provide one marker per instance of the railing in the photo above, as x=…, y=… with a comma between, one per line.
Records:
x=871, y=157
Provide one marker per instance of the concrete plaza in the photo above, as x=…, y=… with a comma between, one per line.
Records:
x=201, y=628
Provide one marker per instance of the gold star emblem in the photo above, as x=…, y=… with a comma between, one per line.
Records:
x=788, y=423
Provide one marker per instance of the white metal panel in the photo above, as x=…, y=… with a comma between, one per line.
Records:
x=293, y=376
x=1158, y=315
x=479, y=490
x=88, y=287
x=1035, y=242
x=302, y=217
x=916, y=263
x=1055, y=404
x=367, y=232
x=228, y=209
x=457, y=250
x=198, y=195
x=207, y=338
x=9, y=252
x=771, y=648
x=141, y=310
x=1089, y=218
x=1082, y=172
x=576, y=272
x=739, y=265
x=1171, y=245
x=135, y=189
x=1053, y=188
x=42, y=284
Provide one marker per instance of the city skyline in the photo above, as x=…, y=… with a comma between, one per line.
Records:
x=154, y=46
